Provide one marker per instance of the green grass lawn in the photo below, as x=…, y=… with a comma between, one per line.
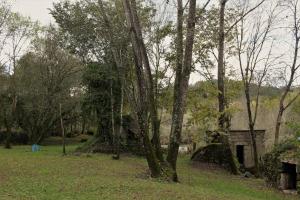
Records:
x=48, y=175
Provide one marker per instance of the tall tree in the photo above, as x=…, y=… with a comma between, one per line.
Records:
x=104, y=45
x=145, y=95
x=221, y=68
x=45, y=78
x=183, y=71
x=224, y=118
x=16, y=34
x=255, y=63
x=290, y=70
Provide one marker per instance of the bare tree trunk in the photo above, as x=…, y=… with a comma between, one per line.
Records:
x=8, y=135
x=62, y=130
x=251, y=128
x=112, y=109
x=117, y=147
x=174, y=142
x=152, y=102
x=182, y=81
x=221, y=69
x=293, y=71
x=83, y=125
x=278, y=123
x=142, y=105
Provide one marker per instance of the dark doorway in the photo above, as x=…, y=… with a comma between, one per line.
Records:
x=240, y=153
x=289, y=176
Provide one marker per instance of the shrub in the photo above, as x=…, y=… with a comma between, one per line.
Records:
x=90, y=132
x=16, y=137
x=271, y=163
x=82, y=140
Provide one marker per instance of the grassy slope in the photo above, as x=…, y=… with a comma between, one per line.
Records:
x=48, y=175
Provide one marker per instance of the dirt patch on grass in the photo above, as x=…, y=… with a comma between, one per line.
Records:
x=3, y=179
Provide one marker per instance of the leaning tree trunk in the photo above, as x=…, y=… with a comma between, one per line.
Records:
x=182, y=81
x=278, y=124
x=142, y=104
x=151, y=97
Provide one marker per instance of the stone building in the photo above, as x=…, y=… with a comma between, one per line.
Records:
x=241, y=146
x=289, y=179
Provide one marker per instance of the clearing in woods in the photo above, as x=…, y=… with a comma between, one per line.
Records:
x=49, y=175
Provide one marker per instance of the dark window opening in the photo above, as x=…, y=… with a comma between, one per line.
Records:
x=240, y=153
x=289, y=176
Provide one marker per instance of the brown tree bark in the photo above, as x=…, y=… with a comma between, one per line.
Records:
x=151, y=93
x=118, y=133
x=142, y=105
x=183, y=72
x=293, y=71
x=251, y=129
x=8, y=134
x=221, y=68
x=62, y=130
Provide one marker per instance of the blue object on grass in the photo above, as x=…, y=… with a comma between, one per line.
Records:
x=35, y=148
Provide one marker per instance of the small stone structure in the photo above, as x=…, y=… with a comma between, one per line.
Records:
x=289, y=179
x=241, y=146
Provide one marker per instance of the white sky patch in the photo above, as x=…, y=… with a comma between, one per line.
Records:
x=37, y=10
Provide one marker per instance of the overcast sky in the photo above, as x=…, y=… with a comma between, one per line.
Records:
x=36, y=9
x=39, y=10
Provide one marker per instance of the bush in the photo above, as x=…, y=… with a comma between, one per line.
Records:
x=69, y=135
x=271, y=163
x=16, y=137
x=90, y=132
x=82, y=140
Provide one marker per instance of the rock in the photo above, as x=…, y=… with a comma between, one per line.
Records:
x=247, y=175
x=290, y=192
x=217, y=154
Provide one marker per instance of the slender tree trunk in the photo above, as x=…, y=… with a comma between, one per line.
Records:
x=224, y=120
x=251, y=128
x=112, y=109
x=174, y=142
x=181, y=82
x=152, y=102
x=142, y=104
x=278, y=123
x=117, y=148
x=62, y=130
x=221, y=68
x=83, y=125
x=282, y=107
x=8, y=135
x=255, y=153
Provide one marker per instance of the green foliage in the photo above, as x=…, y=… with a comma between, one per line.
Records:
x=85, y=32
x=17, y=137
x=46, y=77
x=271, y=164
x=206, y=39
x=99, y=80
x=203, y=106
